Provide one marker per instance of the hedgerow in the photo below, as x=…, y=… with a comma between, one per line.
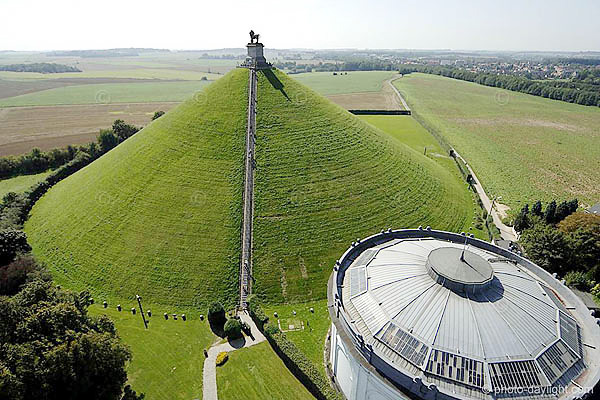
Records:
x=294, y=359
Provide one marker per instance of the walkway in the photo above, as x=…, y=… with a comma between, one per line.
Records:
x=506, y=232
x=209, y=373
x=395, y=89
x=248, y=207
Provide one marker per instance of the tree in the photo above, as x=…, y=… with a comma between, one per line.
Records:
x=123, y=130
x=17, y=273
x=50, y=348
x=233, y=328
x=536, y=209
x=562, y=211
x=550, y=214
x=107, y=140
x=216, y=314
x=158, y=114
x=547, y=247
x=12, y=242
x=522, y=220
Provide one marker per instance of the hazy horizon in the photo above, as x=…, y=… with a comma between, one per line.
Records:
x=467, y=25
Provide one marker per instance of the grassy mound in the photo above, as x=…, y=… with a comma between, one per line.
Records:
x=324, y=178
x=160, y=214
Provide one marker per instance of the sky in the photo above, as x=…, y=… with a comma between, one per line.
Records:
x=536, y=25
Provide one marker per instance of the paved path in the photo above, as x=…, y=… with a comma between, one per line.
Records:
x=248, y=207
x=506, y=232
x=209, y=373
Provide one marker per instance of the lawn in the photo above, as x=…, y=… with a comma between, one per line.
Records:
x=311, y=339
x=257, y=373
x=20, y=183
x=324, y=178
x=159, y=215
x=522, y=147
x=168, y=356
x=326, y=83
x=103, y=93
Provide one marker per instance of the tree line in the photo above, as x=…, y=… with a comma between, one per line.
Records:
x=44, y=68
x=573, y=91
x=37, y=161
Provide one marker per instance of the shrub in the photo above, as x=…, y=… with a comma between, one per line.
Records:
x=216, y=314
x=578, y=280
x=596, y=290
x=157, y=115
x=233, y=328
x=12, y=242
x=222, y=358
x=17, y=273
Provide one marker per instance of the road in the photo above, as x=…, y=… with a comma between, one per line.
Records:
x=248, y=206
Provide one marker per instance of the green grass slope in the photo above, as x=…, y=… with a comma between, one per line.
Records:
x=324, y=177
x=160, y=214
x=522, y=147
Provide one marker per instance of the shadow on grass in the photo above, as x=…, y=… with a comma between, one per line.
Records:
x=275, y=82
x=217, y=328
x=237, y=343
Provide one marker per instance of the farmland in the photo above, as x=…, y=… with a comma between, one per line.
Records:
x=522, y=147
x=158, y=215
x=125, y=86
x=168, y=357
x=106, y=93
x=326, y=83
x=320, y=174
x=258, y=373
x=23, y=128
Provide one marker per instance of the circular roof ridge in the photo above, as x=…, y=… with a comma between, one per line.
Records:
x=459, y=270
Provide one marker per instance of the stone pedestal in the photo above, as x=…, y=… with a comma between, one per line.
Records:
x=256, y=57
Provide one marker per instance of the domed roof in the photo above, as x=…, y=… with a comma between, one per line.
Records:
x=462, y=314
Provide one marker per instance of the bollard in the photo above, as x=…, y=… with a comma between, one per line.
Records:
x=91, y=300
x=175, y=317
x=201, y=317
x=275, y=314
x=105, y=304
x=119, y=307
x=149, y=313
x=183, y=317
x=133, y=310
x=312, y=310
x=166, y=316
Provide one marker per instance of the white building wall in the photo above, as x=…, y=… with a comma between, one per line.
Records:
x=356, y=382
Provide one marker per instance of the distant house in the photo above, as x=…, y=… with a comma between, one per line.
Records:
x=595, y=209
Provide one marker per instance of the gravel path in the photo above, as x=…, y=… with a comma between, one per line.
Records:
x=209, y=374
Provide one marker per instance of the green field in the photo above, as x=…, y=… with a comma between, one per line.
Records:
x=168, y=357
x=102, y=93
x=311, y=339
x=323, y=178
x=326, y=83
x=159, y=215
x=258, y=373
x=522, y=147
x=21, y=183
